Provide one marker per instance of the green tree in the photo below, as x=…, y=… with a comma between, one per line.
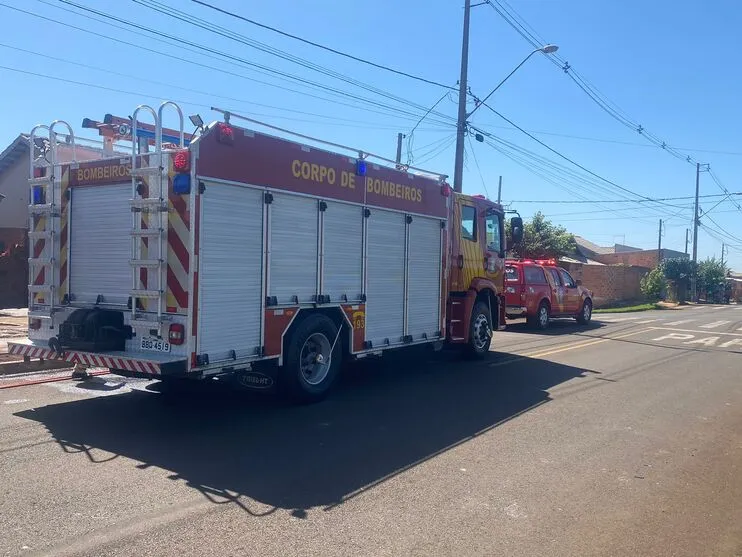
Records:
x=678, y=272
x=542, y=239
x=654, y=283
x=711, y=276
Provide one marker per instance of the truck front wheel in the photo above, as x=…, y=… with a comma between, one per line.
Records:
x=480, y=331
x=313, y=360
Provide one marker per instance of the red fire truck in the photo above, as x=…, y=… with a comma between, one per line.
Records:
x=237, y=253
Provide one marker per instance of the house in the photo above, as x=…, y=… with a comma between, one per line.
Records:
x=14, y=200
x=620, y=254
x=734, y=284
x=613, y=273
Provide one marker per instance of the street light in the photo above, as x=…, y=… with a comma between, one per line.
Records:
x=546, y=49
x=464, y=116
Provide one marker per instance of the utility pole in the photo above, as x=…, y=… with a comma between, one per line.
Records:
x=499, y=191
x=458, y=171
x=696, y=222
x=686, y=241
x=400, y=137
x=722, y=254
x=659, y=245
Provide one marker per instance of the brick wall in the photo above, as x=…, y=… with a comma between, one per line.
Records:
x=610, y=283
x=644, y=258
x=14, y=276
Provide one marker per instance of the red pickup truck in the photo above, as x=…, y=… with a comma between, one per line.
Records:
x=539, y=290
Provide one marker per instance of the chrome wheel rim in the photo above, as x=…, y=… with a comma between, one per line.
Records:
x=315, y=359
x=543, y=316
x=587, y=311
x=481, y=333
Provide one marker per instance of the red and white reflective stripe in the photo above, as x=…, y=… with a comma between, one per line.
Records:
x=121, y=364
x=32, y=351
x=178, y=242
x=95, y=360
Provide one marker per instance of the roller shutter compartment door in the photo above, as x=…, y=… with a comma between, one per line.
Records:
x=293, y=245
x=385, y=277
x=230, y=271
x=100, y=243
x=343, y=252
x=424, y=275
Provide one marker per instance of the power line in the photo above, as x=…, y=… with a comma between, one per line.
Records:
x=721, y=230
x=404, y=114
x=411, y=135
x=723, y=188
x=140, y=94
x=619, y=142
x=571, y=161
x=548, y=171
x=323, y=47
x=426, y=150
x=201, y=49
x=611, y=210
x=476, y=162
x=572, y=201
x=242, y=39
x=438, y=151
x=188, y=89
x=563, y=175
x=506, y=12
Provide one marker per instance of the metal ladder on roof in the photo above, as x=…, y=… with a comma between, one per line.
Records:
x=44, y=214
x=149, y=206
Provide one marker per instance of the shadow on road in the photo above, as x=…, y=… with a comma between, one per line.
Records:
x=384, y=418
x=556, y=327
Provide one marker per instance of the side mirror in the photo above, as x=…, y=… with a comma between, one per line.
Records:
x=516, y=227
x=578, y=282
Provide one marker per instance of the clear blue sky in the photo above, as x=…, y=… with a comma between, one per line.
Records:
x=671, y=65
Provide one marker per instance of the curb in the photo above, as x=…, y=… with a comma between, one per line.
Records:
x=10, y=368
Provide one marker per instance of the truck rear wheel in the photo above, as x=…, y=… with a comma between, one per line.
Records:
x=480, y=331
x=312, y=364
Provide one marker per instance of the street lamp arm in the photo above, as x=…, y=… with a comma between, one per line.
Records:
x=484, y=100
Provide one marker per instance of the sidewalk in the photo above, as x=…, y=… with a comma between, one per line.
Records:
x=14, y=326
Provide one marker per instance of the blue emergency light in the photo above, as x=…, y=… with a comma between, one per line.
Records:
x=38, y=195
x=360, y=167
x=182, y=184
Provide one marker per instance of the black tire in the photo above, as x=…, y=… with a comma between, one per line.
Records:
x=540, y=321
x=302, y=378
x=586, y=312
x=480, y=331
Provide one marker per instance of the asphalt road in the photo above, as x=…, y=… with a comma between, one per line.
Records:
x=621, y=438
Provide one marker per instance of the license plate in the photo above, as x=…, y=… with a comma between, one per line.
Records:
x=154, y=345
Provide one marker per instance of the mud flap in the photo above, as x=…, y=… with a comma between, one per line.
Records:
x=502, y=307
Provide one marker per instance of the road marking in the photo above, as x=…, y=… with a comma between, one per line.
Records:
x=682, y=321
x=714, y=324
x=585, y=344
x=696, y=332
x=673, y=336
x=617, y=319
x=706, y=341
x=645, y=321
x=582, y=344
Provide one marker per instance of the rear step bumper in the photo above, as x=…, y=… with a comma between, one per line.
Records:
x=127, y=362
